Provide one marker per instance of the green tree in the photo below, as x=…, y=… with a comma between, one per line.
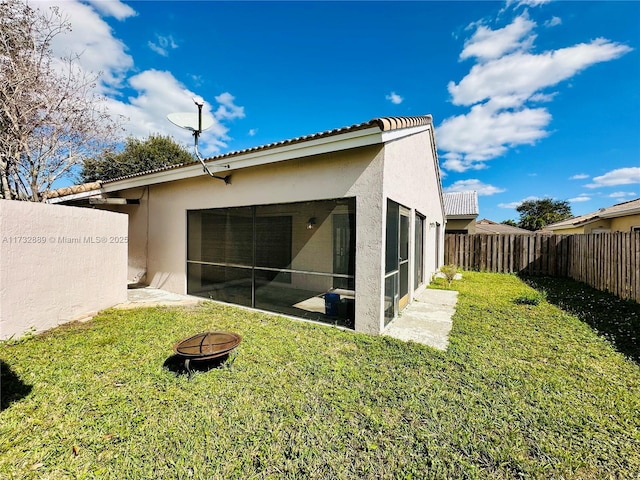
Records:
x=536, y=214
x=137, y=156
x=509, y=222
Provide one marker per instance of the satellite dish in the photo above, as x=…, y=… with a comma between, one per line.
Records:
x=196, y=123
x=191, y=120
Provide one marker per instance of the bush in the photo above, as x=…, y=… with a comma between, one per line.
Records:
x=531, y=298
x=449, y=272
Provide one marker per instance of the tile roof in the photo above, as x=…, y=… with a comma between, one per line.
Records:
x=618, y=210
x=73, y=189
x=488, y=226
x=385, y=124
x=461, y=204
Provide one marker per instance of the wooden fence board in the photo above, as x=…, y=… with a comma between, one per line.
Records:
x=609, y=262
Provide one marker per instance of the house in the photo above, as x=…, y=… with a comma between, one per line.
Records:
x=488, y=227
x=622, y=217
x=342, y=226
x=461, y=209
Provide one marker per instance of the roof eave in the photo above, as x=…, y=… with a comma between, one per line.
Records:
x=345, y=141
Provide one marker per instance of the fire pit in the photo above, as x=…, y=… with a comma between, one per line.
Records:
x=206, y=346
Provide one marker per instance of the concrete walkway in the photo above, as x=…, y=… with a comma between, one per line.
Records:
x=151, y=297
x=427, y=320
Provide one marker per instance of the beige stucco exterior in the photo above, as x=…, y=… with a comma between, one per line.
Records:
x=467, y=225
x=403, y=169
x=618, y=224
x=57, y=264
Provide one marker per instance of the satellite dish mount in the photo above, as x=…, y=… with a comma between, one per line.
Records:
x=194, y=123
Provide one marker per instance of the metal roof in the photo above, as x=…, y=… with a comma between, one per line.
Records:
x=461, y=204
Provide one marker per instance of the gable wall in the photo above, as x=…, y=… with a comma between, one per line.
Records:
x=410, y=178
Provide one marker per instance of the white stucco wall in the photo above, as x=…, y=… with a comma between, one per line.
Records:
x=58, y=264
x=410, y=179
x=352, y=173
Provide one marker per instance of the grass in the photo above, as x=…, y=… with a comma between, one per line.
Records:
x=524, y=391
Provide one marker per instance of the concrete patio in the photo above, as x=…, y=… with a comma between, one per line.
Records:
x=427, y=320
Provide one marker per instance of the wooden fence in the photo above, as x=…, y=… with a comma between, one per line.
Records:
x=607, y=261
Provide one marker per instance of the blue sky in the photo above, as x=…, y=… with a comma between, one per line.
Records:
x=530, y=99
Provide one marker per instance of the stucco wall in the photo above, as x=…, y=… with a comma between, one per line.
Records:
x=137, y=246
x=624, y=224
x=58, y=264
x=352, y=173
x=619, y=224
x=457, y=224
x=410, y=179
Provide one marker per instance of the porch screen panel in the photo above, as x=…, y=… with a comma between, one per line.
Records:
x=296, y=258
x=220, y=254
x=392, y=247
x=418, y=274
x=294, y=275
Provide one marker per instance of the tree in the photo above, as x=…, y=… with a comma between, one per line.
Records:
x=536, y=214
x=509, y=222
x=137, y=156
x=50, y=116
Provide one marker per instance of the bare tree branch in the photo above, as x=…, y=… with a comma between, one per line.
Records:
x=51, y=119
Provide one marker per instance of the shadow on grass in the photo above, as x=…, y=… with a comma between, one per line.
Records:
x=12, y=388
x=177, y=365
x=615, y=319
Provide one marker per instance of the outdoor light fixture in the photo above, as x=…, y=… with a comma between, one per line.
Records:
x=311, y=223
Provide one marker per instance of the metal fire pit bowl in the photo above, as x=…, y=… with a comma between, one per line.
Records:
x=206, y=346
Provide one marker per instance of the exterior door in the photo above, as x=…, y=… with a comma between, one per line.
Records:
x=403, y=258
x=344, y=247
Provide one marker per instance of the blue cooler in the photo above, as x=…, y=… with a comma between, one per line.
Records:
x=331, y=303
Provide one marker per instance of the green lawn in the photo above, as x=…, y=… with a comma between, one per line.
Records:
x=524, y=391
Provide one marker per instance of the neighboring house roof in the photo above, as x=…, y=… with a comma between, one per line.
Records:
x=632, y=207
x=74, y=189
x=375, y=131
x=488, y=226
x=461, y=204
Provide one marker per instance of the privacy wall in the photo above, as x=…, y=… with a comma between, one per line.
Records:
x=58, y=264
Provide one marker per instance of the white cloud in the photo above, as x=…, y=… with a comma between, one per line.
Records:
x=514, y=205
x=553, y=22
x=158, y=94
x=579, y=176
x=527, y=3
x=113, y=8
x=394, y=98
x=622, y=194
x=486, y=44
x=163, y=45
x=155, y=93
x=502, y=86
x=93, y=39
x=523, y=74
x=485, y=133
x=473, y=184
x=252, y=132
x=583, y=197
x=227, y=109
x=619, y=176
